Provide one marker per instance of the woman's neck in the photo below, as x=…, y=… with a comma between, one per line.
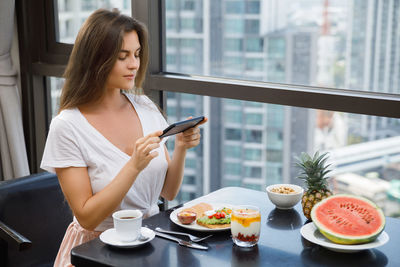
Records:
x=112, y=101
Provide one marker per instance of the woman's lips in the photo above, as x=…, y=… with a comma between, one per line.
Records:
x=130, y=77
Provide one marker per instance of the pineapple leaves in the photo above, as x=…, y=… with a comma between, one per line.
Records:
x=313, y=170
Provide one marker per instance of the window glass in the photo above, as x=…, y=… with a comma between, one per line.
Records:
x=188, y=24
x=233, y=151
x=253, y=136
x=253, y=7
x=188, y=5
x=189, y=179
x=252, y=154
x=254, y=44
x=340, y=43
x=234, y=44
x=254, y=172
x=252, y=26
x=254, y=118
x=255, y=64
x=233, y=134
x=171, y=5
x=235, y=26
x=232, y=182
x=364, y=150
x=56, y=85
x=190, y=163
x=233, y=169
x=234, y=117
x=70, y=15
x=171, y=23
x=234, y=7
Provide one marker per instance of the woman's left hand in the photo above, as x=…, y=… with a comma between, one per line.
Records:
x=189, y=138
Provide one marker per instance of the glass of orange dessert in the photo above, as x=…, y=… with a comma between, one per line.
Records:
x=245, y=225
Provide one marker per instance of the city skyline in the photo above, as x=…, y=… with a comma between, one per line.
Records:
x=308, y=42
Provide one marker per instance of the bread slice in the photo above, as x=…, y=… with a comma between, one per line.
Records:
x=199, y=209
x=214, y=226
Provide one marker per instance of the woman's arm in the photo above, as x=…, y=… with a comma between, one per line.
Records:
x=173, y=179
x=91, y=209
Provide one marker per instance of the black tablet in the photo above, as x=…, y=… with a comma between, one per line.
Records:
x=181, y=126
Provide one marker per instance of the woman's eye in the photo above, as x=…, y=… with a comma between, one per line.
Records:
x=121, y=58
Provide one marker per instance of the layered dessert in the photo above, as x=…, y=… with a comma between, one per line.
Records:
x=245, y=226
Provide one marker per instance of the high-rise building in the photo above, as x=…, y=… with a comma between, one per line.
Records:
x=373, y=57
x=249, y=142
x=291, y=58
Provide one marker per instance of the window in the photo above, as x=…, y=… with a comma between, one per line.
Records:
x=254, y=172
x=233, y=169
x=254, y=44
x=235, y=116
x=234, y=26
x=233, y=134
x=252, y=154
x=234, y=44
x=252, y=26
x=190, y=163
x=253, y=119
x=234, y=7
x=313, y=77
x=73, y=13
x=233, y=151
x=55, y=84
x=315, y=66
x=188, y=5
x=254, y=136
x=253, y=7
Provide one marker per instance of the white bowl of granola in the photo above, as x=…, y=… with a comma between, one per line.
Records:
x=284, y=196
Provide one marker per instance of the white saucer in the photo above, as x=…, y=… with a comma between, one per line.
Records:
x=312, y=234
x=109, y=237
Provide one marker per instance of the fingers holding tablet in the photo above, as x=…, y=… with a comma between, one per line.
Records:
x=182, y=126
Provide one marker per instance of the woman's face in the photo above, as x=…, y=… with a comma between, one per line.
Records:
x=122, y=75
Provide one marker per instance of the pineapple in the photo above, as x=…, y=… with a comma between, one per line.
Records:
x=314, y=174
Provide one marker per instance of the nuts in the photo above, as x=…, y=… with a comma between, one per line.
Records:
x=283, y=190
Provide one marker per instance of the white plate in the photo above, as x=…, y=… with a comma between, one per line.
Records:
x=312, y=234
x=194, y=226
x=109, y=237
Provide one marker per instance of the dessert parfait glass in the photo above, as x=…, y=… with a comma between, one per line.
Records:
x=245, y=225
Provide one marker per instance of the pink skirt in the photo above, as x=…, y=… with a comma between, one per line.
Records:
x=74, y=236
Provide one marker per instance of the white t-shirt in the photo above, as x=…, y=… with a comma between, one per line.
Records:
x=73, y=141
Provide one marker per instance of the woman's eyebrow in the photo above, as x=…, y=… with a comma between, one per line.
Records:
x=127, y=51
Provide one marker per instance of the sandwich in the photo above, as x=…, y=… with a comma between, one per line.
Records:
x=216, y=219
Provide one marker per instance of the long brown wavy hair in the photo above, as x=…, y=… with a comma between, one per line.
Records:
x=94, y=54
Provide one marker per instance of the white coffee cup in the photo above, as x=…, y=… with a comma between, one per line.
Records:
x=127, y=224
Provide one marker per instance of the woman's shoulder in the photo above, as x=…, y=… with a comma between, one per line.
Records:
x=64, y=118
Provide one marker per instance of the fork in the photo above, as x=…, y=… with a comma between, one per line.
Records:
x=192, y=237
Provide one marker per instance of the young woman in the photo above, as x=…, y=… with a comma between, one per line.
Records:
x=104, y=143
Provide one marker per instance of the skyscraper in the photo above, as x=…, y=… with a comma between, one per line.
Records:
x=373, y=57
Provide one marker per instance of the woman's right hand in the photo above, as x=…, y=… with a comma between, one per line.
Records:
x=142, y=153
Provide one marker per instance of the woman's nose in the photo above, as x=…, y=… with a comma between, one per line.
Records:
x=133, y=62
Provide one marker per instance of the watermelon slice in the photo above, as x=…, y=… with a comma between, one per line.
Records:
x=348, y=219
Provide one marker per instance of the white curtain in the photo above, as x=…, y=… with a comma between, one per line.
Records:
x=14, y=162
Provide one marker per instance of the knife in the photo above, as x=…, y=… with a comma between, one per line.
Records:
x=181, y=242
